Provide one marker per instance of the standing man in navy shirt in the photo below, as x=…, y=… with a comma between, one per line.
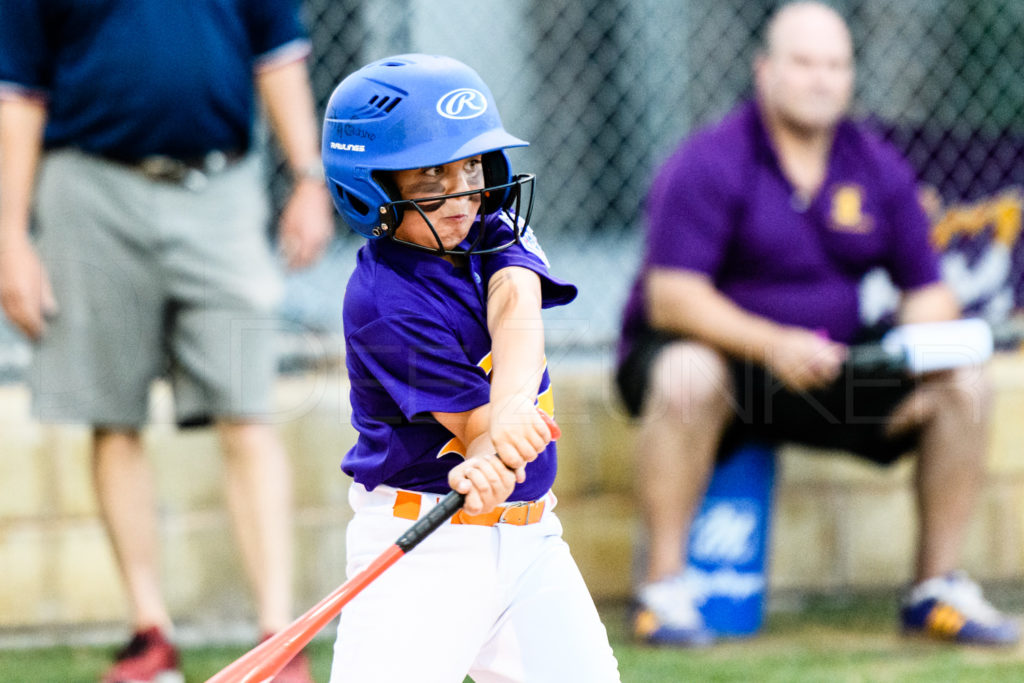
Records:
x=126, y=130
x=760, y=230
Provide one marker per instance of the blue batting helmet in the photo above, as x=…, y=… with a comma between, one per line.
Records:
x=404, y=112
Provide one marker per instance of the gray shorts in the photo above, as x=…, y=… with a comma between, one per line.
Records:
x=153, y=279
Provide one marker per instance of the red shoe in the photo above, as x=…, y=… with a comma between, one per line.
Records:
x=295, y=671
x=147, y=658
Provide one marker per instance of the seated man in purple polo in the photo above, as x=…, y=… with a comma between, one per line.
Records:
x=760, y=230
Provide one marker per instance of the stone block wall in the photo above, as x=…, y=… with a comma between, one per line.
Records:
x=838, y=523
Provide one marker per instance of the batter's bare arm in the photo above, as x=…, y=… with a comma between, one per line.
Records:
x=517, y=360
x=24, y=286
x=483, y=477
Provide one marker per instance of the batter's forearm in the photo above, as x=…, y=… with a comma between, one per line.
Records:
x=517, y=333
x=467, y=426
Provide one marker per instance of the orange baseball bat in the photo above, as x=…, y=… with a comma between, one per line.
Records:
x=263, y=662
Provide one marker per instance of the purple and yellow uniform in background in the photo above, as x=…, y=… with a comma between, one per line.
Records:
x=721, y=206
x=417, y=342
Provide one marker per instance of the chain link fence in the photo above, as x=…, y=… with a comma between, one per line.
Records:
x=605, y=89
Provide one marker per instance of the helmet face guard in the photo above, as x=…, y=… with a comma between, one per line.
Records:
x=508, y=197
x=414, y=111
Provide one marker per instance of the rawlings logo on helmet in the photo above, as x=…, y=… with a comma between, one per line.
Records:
x=462, y=103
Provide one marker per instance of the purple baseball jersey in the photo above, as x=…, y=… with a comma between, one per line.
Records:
x=416, y=343
x=721, y=206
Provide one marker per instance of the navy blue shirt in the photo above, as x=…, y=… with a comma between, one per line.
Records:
x=416, y=342
x=130, y=78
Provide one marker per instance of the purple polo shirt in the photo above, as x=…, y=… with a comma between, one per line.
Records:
x=416, y=342
x=721, y=206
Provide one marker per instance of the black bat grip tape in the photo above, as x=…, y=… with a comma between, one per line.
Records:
x=437, y=516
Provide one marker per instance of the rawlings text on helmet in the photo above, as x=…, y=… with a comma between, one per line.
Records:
x=348, y=147
x=462, y=103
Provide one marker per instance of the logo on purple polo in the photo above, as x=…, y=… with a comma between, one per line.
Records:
x=463, y=103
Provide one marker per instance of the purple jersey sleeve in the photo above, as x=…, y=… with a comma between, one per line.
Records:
x=527, y=254
x=419, y=361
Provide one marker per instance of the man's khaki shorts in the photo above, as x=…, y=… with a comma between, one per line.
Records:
x=154, y=279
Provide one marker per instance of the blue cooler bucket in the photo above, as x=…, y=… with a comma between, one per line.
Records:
x=727, y=552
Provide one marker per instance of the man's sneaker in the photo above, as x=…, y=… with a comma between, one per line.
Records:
x=666, y=615
x=295, y=671
x=951, y=607
x=147, y=658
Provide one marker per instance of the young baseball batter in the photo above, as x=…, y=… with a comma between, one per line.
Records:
x=444, y=343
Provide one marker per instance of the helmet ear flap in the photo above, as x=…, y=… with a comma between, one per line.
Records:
x=496, y=172
x=393, y=216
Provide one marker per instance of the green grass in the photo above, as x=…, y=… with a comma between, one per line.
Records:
x=828, y=639
x=87, y=664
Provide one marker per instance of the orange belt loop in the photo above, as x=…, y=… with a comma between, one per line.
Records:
x=407, y=505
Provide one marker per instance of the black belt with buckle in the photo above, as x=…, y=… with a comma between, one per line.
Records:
x=192, y=172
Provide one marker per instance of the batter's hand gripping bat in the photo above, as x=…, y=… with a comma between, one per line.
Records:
x=263, y=662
